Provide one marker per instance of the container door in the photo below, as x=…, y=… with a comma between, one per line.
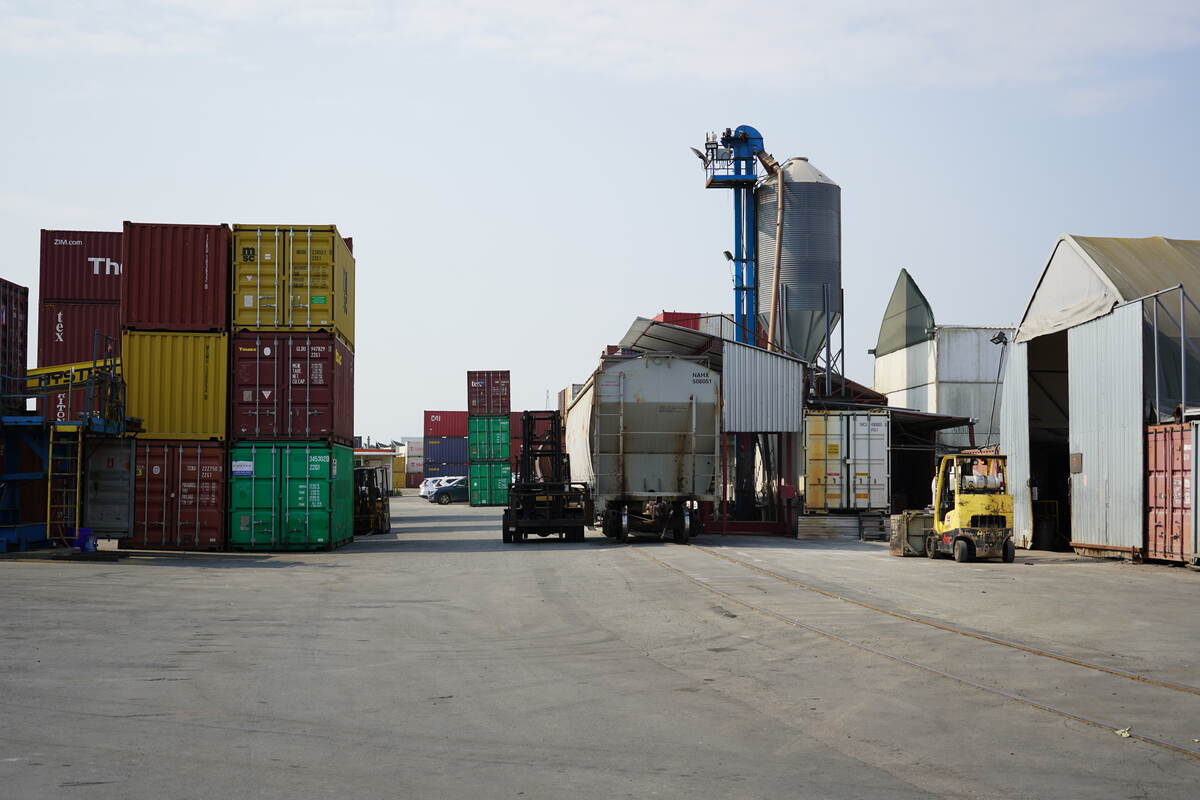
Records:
x=311, y=277
x=258, y=382
x=306, y=501
x=867, y=461
x=201, y=496
x=825, y=445
x=310, y=386
x=1169, y=459
x=259, y=290
x=254, y=486
x=108, y=488
x=153, y=474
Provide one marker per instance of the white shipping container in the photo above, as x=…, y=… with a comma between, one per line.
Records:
x=848, y=455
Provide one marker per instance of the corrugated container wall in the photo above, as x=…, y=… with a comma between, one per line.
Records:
x=179, y=496
x=176, y=383
x=14, y=345
x=848, y=455
x=297, y=386
x=290, y=496
x=69, y=333
x=293, y=278
x=1107, y=429
x=445, y=423
x=489, y=392
x=489, y=438
x=489, y=483
x=176, y=277
x=684, y=319
x=1170, y=464
x=446, y=450
x=80, y=267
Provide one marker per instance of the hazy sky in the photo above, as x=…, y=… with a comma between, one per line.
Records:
x=516, y=175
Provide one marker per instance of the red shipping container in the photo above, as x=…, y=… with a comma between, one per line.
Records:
x=445, y=423
x=67, y=332
x=178, y=496
x=14, y=345
x=684, y=319
x=292, y=387
x=349, y=240
x=80, y=267
x=489, y=392
x=412, y=480
x=176, y=277
x=1169, y=492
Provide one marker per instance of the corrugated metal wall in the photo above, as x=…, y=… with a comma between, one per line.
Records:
x=1106, y=361
x=761, y=392
x=1014, y=439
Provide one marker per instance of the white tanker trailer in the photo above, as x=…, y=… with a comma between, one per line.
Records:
x=643, y=434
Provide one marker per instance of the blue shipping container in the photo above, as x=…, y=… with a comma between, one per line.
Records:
x=440, y=470
x=446, y=450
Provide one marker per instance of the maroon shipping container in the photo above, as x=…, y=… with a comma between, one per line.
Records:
x=67, y=332
x=489, y=392
x=14, y=345
x=349, y=240
x=292, y=387
x=178, y=496
x=176, y=277
x=412, y=480
x=684, y=319
x=1169, y=492
x=80, y=267
x=445, y=423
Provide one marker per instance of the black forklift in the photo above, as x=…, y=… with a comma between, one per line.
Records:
x=372, y=506
x=543, y=500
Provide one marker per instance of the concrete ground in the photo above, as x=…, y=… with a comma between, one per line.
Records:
x=436, y=662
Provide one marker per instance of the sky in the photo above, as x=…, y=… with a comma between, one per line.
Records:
x=517, y=179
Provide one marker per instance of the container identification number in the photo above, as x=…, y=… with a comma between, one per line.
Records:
x=700, y=377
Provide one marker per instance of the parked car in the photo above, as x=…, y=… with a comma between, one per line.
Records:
x=454, y=490
x=428, y=485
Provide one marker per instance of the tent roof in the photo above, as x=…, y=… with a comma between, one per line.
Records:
x=1086, y=276
x=907, y=318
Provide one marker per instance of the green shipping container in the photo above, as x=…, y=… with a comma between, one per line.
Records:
x=290, y=496
x=489, y=483
x=489, y=438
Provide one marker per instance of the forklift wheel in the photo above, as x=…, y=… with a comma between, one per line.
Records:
x=930, y=547
x=1010, y=552
x=962, y=551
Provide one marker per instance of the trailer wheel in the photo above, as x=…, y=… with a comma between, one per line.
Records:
x=623, y=525
x=962, y=551
x=1010, y=552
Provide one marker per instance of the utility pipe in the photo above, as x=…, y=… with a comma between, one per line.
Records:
x=771, y=344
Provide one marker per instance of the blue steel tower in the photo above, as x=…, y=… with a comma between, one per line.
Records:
x=729, y=163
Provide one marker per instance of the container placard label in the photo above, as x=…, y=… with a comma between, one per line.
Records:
x=242, y=469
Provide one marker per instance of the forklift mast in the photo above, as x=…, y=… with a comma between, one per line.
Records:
x=543, y=457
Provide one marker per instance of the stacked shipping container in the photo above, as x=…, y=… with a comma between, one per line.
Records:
x=175, y=355
x=79, y=307
x=489, y=436
x=445, y=446
x=291, y=402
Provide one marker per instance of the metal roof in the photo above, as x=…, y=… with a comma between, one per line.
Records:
x=1086, y=276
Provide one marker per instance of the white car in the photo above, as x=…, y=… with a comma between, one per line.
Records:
x=428, y=485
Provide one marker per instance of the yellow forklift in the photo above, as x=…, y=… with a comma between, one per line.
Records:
x=972, y=511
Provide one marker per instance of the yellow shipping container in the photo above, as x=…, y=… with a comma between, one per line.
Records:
x=292, y=278
x=398, y=465
x=176, y=383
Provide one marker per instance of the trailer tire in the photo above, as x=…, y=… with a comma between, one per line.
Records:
x=962, y=551
x=1009, y=554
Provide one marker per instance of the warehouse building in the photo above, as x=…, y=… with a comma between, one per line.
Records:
x=1107, y=345
x=942, y=369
